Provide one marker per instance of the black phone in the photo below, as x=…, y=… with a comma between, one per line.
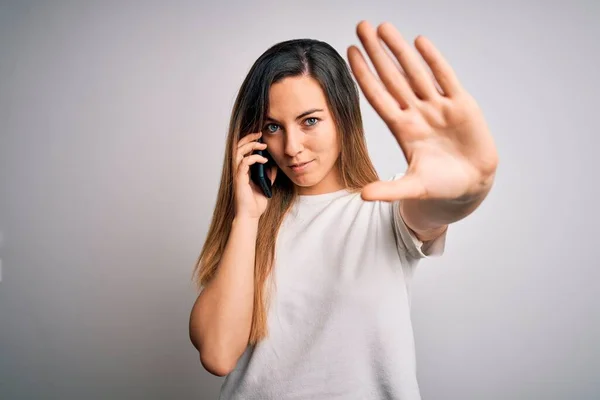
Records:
x=259, y=172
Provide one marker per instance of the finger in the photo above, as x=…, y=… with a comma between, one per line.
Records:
x=249, y=138
x=391, y=75
x=248, y=161
x=407, y=187
x=441, y=69
x=409, y=59
x=381, y=100
x=243, y=170
x=247, y=148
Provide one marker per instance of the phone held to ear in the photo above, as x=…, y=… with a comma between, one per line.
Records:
x=259, y=172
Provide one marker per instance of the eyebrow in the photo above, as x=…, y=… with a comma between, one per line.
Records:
x=304, y=114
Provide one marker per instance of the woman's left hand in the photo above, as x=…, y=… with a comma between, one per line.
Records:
x=440, y=128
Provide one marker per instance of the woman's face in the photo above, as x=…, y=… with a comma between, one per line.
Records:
x=300, y=129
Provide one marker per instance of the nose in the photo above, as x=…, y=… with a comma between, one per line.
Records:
x=294, y=142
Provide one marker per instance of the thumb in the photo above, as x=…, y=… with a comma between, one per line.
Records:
x=407, y=187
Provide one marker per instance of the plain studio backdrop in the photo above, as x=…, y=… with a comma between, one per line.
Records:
x=113, y=118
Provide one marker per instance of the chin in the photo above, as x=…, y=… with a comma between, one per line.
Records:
x=307, y=182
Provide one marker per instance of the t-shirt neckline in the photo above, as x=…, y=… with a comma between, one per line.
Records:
x=318, y=198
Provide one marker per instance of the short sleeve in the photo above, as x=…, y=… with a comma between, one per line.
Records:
x=408, y=241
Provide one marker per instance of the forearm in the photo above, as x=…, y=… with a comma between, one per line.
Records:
x=221, y=318
x=430, y=218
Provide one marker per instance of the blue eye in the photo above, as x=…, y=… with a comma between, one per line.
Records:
x=310, y=118
x=267, y=126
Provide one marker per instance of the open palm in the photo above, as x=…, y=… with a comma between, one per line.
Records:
x=439, y=126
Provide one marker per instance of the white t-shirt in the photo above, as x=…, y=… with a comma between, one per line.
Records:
x=339, y=321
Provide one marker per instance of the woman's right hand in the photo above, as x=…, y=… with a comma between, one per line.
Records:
x=249, y=199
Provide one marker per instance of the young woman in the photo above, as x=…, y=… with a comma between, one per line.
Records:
x=306, y=295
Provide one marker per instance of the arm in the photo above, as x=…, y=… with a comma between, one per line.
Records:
x=221, y=317
x=428, y=219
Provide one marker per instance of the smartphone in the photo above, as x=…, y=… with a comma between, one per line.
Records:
x=259, y=172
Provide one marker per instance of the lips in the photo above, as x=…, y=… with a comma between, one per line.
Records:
x=301, y=167
x=299, y=164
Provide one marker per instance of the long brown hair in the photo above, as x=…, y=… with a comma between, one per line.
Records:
x=290, y=58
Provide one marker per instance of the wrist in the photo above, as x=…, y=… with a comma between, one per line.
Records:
x=245, y=220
